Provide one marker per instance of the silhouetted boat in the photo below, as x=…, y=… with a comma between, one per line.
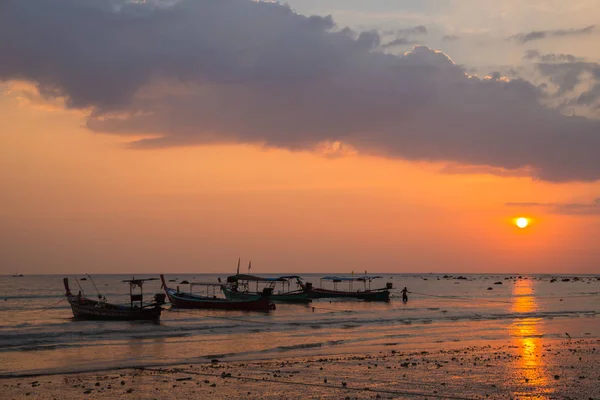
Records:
x=86, y=308
x=367, y=294
x=180, y=299
x=278, y=289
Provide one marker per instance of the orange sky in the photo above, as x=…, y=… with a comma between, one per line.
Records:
x=460, y=80
x=75, y=201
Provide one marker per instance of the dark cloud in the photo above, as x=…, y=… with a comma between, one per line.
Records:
x=591, y=208
x=589, y=97
x=568, y=72
x=537, y=35
x=200, y=72
x=567, y=75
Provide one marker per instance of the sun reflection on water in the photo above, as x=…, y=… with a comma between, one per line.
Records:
x=527, y=337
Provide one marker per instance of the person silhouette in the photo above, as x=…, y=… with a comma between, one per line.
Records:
x=404, y=294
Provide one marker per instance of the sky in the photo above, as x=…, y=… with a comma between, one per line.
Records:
x=304, y=136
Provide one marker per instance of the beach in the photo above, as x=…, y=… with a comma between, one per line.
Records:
x=458, y=337
x=558, y=369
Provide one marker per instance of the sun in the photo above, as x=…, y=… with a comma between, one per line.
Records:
x=522, y=222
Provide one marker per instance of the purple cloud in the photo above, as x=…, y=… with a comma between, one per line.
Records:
x=198, y=72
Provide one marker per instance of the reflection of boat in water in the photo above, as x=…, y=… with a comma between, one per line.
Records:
x=193, y=300
x=86, y=308
x=367, y=294
x=278, y=289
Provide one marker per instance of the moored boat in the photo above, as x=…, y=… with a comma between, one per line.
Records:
x=278, y=289
x=188, y=300
x=86, y=308
x=367, y=294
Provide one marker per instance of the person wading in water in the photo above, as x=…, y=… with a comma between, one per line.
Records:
x=404, y=294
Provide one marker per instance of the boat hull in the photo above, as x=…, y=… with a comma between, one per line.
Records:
x=190, y=301
x=369, y=295
x=294, y=297
x=97, y=311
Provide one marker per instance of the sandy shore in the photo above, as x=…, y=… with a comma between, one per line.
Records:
x=534, y=368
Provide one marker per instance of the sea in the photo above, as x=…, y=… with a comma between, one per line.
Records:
x=38, y=334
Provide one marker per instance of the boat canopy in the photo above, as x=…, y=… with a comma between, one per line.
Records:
x=254, y=278
x=206, y=284
x=351, y=278
x=139, y=282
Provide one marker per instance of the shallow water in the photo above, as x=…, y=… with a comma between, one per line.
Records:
x=36, y=336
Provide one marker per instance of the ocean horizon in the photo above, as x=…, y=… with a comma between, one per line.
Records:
x=441, y=313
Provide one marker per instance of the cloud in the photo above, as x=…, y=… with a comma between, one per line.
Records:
x=412, y=31
x=568, y=75
x=577, y=80
x=201, y=72
x=591, y=208
x=537, y=35
x=450, y=38
x=456, y=169
x=403, y=36
x=398, y=42
x=550, y=57
x=589, y=97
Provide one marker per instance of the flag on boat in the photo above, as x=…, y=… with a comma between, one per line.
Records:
x=249, y=265
x=238, y=270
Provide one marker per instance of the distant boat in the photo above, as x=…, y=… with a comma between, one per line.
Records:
x=86, y=308
x=367, y=294
x=194, y=300
x=18, y=276
x=238, y=288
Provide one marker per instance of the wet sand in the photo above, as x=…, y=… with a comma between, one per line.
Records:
x=560, y=369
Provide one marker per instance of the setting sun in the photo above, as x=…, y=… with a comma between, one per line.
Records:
x=522, y=222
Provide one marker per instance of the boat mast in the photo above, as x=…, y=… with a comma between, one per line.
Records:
x=96, y=287
x=131, y=291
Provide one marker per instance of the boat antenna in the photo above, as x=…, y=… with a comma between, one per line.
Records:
x=238, y=269
x=96, y=287
x=80, y=288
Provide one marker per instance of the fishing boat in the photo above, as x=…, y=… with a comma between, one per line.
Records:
x=367, y=294
x=278, y=289
x=180, y=299
x=86, y=308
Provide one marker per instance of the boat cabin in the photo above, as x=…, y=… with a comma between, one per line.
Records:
x=252, y=283
x=137, y=299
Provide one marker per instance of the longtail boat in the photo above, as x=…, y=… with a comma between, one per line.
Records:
x=367, y=294
x=86, y=308
x=278, y=289
x=195, y=300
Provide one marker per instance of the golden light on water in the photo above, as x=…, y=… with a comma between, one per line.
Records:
x=527, y=336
